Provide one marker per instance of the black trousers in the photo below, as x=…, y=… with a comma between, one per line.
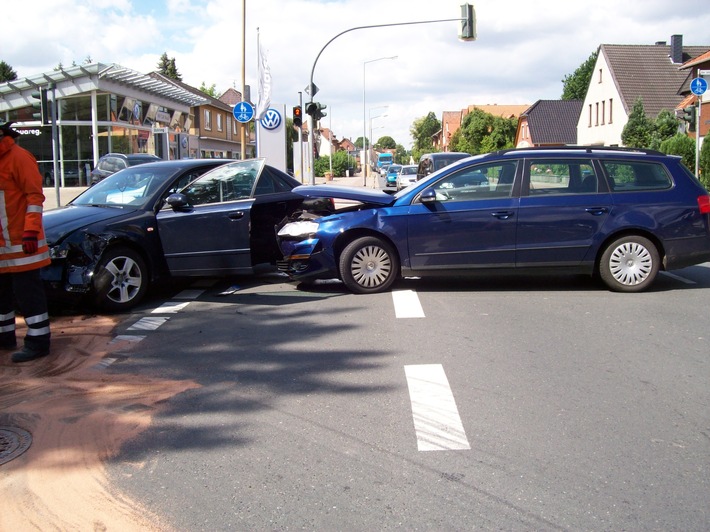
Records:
x=24, y=291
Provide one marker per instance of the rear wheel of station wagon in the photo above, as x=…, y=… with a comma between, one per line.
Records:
x=629, y=264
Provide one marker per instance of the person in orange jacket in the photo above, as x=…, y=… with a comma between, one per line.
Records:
x=23, y=249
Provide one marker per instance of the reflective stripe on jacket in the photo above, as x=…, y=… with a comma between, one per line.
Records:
x=21, y=200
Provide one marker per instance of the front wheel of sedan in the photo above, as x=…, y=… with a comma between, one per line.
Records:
x=369, y=265
x=120, y=280
x=629, y=264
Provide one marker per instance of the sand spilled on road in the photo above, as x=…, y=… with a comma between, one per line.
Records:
x=79, y=415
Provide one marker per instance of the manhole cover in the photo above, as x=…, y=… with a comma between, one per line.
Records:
x=13, y=442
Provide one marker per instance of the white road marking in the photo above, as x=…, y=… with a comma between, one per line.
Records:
x=406, y=304
x=148, y=324
x=133, y=338
x=171, y=307
x=678, y=278
x=436, y=418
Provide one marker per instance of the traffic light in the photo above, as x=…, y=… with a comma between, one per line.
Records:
x=42, y=106
x=689, y=116
x=315, y=109
x=468, y=23
x=297, y=116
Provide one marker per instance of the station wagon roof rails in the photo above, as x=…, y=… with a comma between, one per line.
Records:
x=586, y=149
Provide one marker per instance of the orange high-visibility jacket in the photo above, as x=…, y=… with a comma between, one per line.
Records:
x=21, y=200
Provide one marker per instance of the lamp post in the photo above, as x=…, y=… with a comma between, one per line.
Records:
x=374, y=180
x=365, y=150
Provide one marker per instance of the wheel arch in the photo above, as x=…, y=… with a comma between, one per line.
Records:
x=118, y=242
x=631, y=232
x=345, y=238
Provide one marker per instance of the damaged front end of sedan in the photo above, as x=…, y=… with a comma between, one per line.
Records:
x=309, y=240
x=74, y=261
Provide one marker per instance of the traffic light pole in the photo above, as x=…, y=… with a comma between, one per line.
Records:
x=468, y=34
x=55, y=142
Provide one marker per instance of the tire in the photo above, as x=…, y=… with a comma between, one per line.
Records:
x=369, y=265
x=629, y=264
x=120, y=280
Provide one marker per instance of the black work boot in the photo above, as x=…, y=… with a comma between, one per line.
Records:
x=31, y=350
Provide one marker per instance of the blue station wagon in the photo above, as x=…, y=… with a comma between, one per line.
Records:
x=616, y=213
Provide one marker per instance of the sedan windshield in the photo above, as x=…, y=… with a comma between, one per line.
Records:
x=133, y=186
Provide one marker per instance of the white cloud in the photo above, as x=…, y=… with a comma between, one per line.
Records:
x=524, y=49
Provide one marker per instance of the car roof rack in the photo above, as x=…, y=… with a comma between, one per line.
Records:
x=586, y=149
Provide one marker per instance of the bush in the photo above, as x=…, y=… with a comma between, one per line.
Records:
x=704, y=163
x=681, y=145
x=341, y=162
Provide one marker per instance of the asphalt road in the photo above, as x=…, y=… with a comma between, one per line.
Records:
x=573, y=408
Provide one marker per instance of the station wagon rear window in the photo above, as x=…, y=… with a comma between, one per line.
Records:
x=636, y=176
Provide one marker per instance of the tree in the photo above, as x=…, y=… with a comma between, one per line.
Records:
x=386, y=143
x=358, y=142
x=665, y=127
x=211, y=91
x=704, y=164
x=681, y=145
x=7, y=73
x=168, y=68
x=482, y=132
x=423, y=130
x=575, y=85
x=638, y=131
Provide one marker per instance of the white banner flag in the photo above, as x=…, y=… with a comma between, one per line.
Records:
x=264, y=85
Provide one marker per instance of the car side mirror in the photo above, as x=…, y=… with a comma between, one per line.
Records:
x=178, y=202
x=428, y=196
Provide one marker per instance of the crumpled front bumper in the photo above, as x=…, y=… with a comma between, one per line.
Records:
x=306, y=260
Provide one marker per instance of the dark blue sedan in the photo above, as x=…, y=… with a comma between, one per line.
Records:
x=618, y=214
x=201, y=217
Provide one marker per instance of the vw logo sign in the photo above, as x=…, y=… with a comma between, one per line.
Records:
x=272, y=119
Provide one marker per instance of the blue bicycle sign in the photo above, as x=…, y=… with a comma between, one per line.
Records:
x=243, y=112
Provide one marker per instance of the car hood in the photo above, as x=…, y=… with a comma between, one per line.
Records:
x=64, y=220
x=365, y=195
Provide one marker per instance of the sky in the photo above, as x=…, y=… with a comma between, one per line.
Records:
x=522, y=53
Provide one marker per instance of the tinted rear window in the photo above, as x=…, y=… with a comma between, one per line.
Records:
x=636, y=176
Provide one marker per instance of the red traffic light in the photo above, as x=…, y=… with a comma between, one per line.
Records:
x=297, y=116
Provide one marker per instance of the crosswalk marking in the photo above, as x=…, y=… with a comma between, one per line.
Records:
x=436, y=418
x=171, y=307
x=148, y=324
x=406, y=304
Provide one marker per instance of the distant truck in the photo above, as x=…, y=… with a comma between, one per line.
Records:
x=383, y=159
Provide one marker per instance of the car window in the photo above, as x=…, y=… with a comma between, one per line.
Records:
x=133, y=186
x=635, y=176
x=561, y=176
x=230, y=182
x=483, y=181
x=269, y=184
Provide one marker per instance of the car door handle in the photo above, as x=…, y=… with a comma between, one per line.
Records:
x=597, y=211
x=236, y=215
x=502, y=215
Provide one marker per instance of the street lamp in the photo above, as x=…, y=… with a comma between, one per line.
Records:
x=364, y=119
x=374, y=183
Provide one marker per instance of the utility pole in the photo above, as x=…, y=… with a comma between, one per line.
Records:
x=467, y=33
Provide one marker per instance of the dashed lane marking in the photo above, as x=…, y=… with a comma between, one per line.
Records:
x=148, y=324
x=436, y=418
x=171, y=307
x=406, y=304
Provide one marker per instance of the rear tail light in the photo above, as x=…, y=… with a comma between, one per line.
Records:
x=704, y=204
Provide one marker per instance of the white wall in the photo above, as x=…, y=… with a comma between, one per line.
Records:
x=602, y=108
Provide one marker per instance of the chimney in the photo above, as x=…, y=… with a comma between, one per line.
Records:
x=677, y=49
